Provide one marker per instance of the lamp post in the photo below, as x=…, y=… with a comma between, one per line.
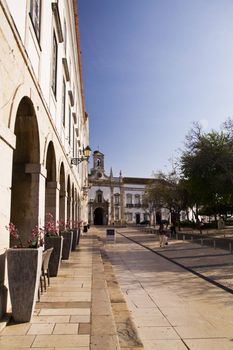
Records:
x=85, y=156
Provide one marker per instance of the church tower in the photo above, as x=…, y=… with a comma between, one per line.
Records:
x=98, y=164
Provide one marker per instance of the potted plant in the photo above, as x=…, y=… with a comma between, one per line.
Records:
x=67, y=234
x=76, y=234
x=53, y=240
x=24, y=268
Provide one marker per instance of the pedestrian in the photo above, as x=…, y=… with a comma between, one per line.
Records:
x=173, y=223
x=162, y=238
x=173, y=229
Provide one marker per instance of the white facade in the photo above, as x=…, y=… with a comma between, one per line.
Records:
x=43, y=124
x=115, y=200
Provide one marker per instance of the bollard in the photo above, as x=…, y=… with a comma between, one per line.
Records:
x=214, y=244
x=183, y=237
x=192, y=238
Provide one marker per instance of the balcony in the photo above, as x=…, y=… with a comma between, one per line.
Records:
x=138, y=205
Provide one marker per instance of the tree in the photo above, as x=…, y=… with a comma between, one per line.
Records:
x=207, y=167
x=167, y=191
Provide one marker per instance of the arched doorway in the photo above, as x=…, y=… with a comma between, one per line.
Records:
x=99, y=216
x=25, y=171
x=51, y=184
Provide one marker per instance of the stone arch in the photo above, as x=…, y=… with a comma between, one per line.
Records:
x=51, y=186
x=62, y=194
x=24, y=91
x=25, y=170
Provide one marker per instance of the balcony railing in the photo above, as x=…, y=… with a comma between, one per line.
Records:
x=138, y=205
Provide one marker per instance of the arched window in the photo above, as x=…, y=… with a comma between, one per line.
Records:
x=99, y=196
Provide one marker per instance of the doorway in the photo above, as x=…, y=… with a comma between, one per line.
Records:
x=137, y=218
x=99, y=216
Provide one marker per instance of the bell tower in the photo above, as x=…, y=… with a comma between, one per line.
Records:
x=98, y=164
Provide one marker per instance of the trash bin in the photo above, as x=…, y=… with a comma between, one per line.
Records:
x=85, y=228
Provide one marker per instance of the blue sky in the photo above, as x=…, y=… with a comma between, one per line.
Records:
x=151, y=68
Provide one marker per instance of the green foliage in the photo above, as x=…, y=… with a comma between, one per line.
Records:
x=207, y=169
x=167, y=191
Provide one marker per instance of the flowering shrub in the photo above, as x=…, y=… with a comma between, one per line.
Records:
x=63, y=225
x=14, y=233
x=77, y=224
x=37, y=237
x=50, y=228
x=35, y=240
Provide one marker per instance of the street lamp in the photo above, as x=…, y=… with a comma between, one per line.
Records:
x=85, y=156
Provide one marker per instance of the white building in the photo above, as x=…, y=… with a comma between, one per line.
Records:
x=43, y=124
x=115, y=200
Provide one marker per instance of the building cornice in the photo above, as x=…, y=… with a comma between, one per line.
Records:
x=75, y=6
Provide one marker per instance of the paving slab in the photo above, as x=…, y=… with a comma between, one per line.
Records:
x=63, y=340
x=171, y=307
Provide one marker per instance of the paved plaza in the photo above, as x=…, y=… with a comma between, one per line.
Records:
x=113, y=296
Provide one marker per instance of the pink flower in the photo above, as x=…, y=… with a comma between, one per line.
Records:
x=50, y=227
x=13, y=230
x=36, y=238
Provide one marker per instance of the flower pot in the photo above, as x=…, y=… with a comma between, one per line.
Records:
x=24, y=269
x=55, y=242
x=3, y=288
x=75, y=239
x=78, y=236
x=67, y=244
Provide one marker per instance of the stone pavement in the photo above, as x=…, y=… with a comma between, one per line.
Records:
x=171, y=307
x=76, y=312
x=120, y=296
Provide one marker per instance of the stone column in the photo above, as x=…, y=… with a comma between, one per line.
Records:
x=62, y=205
x=91, y=213
x=35, y=215
x=52, y=199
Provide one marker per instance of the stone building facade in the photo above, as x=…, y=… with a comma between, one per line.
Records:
x=115, y=200
x=43, y=124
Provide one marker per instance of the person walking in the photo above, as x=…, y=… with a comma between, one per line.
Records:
x=162, y=238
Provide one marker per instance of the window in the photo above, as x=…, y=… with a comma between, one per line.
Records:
x=99, y=197
x=65, y=36
x=73, y=141
x=117, y=213
x=129, y=198
x=137, y=199
x=117, y=198
x=35, y=8
x=54, y=65
x=64, y=103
